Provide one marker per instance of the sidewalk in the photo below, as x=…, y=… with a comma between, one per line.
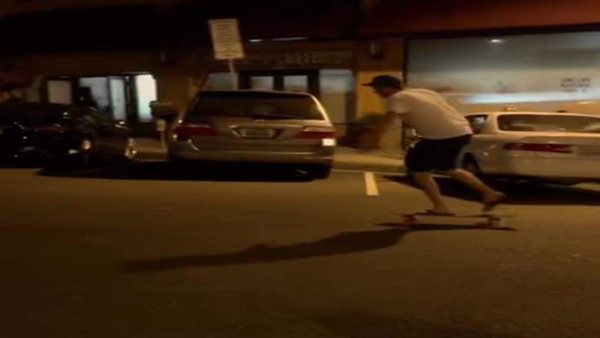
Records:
x=370, y=160
x=345, y=158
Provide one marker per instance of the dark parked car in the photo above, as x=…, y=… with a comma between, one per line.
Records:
x=61, y=133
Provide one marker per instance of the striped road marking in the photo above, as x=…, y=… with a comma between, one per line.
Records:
x=371, y=184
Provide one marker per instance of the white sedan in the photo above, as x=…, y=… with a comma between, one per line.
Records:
x=558, y=147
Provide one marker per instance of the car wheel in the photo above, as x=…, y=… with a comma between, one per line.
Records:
x=320, y=172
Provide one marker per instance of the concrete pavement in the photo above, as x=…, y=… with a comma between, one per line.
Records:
x=139, y=251
x=345, y=158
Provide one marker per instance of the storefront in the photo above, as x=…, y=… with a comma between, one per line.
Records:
x=539, y=72
x=326, y=71
x=120, y=97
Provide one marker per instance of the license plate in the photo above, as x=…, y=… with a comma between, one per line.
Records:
x=257, y=133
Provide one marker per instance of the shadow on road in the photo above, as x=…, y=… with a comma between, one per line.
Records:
x=341, y=244
x=167, y=172
x=518, y=193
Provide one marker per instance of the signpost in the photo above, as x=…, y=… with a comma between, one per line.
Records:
x=227, y=43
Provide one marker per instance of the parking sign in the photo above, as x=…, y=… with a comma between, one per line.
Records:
x=226, y=39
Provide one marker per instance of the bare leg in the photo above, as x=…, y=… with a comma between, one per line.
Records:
x=490, y=196
x=432, y=190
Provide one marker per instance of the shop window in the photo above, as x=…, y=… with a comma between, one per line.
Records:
x=334, y=87
x=108, y=94
x=219, y=81
x=507, y=70
x=295, y=83
x=145, y=86
x=306, y=81
x=94, y=91
x=119, y=97
x=338, y=93
x=60, y=91
x=262, y=83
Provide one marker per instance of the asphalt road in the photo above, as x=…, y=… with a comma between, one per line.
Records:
x=148, y=252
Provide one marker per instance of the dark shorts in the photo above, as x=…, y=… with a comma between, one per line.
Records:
x=429, y=155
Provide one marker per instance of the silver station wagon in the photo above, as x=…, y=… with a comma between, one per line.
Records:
x=255, y=127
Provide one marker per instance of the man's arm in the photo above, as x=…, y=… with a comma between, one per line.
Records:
x=389, y=118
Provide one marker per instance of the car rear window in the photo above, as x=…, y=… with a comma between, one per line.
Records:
x=549, y=123
x=31, y=114
x=255, y=105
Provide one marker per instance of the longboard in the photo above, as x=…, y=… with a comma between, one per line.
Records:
x=486, y=219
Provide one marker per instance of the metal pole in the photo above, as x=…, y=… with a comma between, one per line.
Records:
x=234, y=81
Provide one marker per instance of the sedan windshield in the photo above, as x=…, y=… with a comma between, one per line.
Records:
x=256, y=107
x=549, y=123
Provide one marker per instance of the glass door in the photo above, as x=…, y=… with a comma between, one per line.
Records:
x=145, y=90
x=118, y=97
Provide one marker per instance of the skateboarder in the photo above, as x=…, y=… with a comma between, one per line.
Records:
x=444, y=131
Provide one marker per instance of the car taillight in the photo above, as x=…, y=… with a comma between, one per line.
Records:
x=540, y=147
x=316, y=133
x=327, y=136
x=186, y=131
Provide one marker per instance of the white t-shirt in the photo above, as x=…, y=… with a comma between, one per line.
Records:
x=428, y=112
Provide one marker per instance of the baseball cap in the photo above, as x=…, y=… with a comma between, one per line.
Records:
x=384, y=81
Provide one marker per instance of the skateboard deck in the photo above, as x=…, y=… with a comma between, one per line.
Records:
x=480, y=219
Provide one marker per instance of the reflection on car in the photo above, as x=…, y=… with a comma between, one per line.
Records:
x=61, y=133
x=255, y=127
x=559, y=147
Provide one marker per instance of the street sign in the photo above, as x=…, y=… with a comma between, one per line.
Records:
x=226, y=39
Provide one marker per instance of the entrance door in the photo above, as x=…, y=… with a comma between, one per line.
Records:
x=145, y=92
x=118, y=97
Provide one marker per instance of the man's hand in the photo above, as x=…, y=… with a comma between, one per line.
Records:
x=383, y=124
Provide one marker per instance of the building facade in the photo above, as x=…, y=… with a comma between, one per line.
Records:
x=481, y=54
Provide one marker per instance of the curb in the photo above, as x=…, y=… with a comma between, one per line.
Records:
x=343, y=160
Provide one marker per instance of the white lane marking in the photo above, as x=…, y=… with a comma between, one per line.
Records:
x=358, y=171
x=371, y=184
